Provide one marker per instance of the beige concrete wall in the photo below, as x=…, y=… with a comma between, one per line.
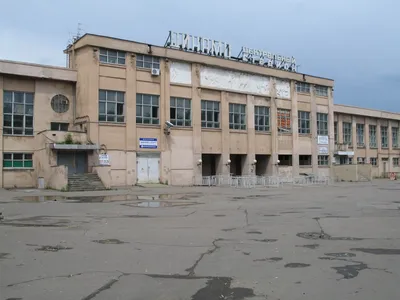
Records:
x=58, y=179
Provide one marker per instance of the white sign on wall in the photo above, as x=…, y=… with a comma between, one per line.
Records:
x=323, y=150
x=323, y=140
x=148, y=143
x=104, y=160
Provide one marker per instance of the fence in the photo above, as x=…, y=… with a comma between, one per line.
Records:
x=264, y=181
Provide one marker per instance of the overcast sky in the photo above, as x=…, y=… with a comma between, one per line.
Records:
x=354, y=42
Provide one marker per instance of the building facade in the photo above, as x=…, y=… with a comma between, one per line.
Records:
x=138, y=113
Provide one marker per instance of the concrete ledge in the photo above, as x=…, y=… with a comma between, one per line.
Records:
x=73, y=147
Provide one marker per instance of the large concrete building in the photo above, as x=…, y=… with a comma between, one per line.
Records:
x=138, y=113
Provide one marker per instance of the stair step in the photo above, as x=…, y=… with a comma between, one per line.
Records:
x=85, y=182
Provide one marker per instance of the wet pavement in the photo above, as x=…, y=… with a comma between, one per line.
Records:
x=337, y=242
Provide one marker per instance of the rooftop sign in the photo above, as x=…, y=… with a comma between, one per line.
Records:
x=268, y=59
x=197, y=44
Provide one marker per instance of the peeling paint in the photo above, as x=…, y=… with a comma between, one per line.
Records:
x=180, y=73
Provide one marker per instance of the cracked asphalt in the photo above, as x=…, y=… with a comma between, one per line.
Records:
x=331, y=242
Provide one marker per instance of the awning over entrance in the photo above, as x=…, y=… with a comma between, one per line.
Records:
x=74, y=147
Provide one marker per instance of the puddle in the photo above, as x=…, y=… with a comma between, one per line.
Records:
x=291, y=212
x=324, y=236
x=110, y=198
x=341, y=197
x=246, y=253
x=219, y=215
x=350, y=271
x=37, y=221
x=254, y=232
x=296, y=265
x=271, y=215
x=157, y=204
x=378, y=251
x=271, y=259
x=220, y=288
x=228, y=229
x=4, y=255
x=314, y=207
x=53, y=248
x=312, y=246
x=341, y=254
x=265, y=240
x=109, y=241
x=337, y=217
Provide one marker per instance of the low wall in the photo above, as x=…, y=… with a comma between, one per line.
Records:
x=104, y=173
x=58, y=179
x=352, y=173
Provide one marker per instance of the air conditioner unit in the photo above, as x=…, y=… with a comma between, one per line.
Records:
x=155, y=72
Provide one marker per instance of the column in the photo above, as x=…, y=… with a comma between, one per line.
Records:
x=340, y=129
x=196, y=121
x=314, y=138
x=223, y=168
x=295, y=130
x=272, y=163
x=390, y=144
x=251, y=138
x=331, y=125
x=165, y=116
x=366, y=138
x=130, y=120
x=354, y=137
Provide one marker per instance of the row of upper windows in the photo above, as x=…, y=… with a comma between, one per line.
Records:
x=347, y=133
x=152, y=62
x=111, y=109
x=305, y=88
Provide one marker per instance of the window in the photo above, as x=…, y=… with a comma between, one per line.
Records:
x=384, y=136
x=321, y=91
x=322, y=124
x=395, y=161
x=323, y=160
x=304, y=122
x=360, y=135
x=372, y=161
x=360, y=160
x=18, y=113
x=395, y=137
x=112, y=56
x=335, y=132
x=60, y=103
x=261, y=118
x=59, y=126
x=237, y=116
x=17, y=160
x=111, y=106
x=372, y=136
x=347, y=134
x=180, y=112
x=147, y=62
x=305, y=160
x=285, y=160
x=209, y=114
x=303, y=87
x=147, y=107
x=284, y=121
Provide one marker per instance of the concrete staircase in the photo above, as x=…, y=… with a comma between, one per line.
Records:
x=84, y=182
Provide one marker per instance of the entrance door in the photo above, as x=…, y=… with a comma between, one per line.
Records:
x=75, y=161
x=148, y=168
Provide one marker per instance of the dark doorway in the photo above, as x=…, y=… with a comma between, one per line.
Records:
x=75, y=161
x=209, y=164
x=237, y=164
x=262, y=164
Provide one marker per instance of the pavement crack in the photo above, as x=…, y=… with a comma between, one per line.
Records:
x=60, y=276
x=187, y=215
x=246, y=214
x=190, y=270
x=323, y=234
x=107, y=286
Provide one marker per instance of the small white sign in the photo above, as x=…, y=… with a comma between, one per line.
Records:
x=104, y=160
x=323, y=140
x=323, y=150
